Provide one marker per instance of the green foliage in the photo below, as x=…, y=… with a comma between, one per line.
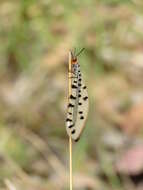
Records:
x=116, y=2
x=17, y=150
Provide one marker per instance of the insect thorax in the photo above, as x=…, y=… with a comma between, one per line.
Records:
x=75, y=68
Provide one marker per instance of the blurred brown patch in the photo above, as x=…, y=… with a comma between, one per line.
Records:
x=132, y=122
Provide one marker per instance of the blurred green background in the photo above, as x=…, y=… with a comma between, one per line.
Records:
x=35, y=37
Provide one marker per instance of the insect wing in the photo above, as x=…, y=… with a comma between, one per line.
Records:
x=82, y=113
x=78, y=105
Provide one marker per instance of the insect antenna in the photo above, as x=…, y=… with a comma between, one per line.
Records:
x=79, y=52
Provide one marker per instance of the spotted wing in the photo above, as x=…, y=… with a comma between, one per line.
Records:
x=78, y=105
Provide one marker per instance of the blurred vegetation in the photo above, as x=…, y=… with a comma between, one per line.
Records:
x=35, y=37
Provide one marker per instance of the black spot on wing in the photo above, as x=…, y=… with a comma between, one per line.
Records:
x=84, y=87
x=68, y=119
x=76, y=140
x=70, y=105
x=85, y=98
x=73, y=131
x=72, y=97
x=69, y=113
x=80, y=112
x=74, y=86
x=71, y=126
x=81, y=117
x=79, y=103
x=79, y=95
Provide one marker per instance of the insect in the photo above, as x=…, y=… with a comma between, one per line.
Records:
x=77, y=110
